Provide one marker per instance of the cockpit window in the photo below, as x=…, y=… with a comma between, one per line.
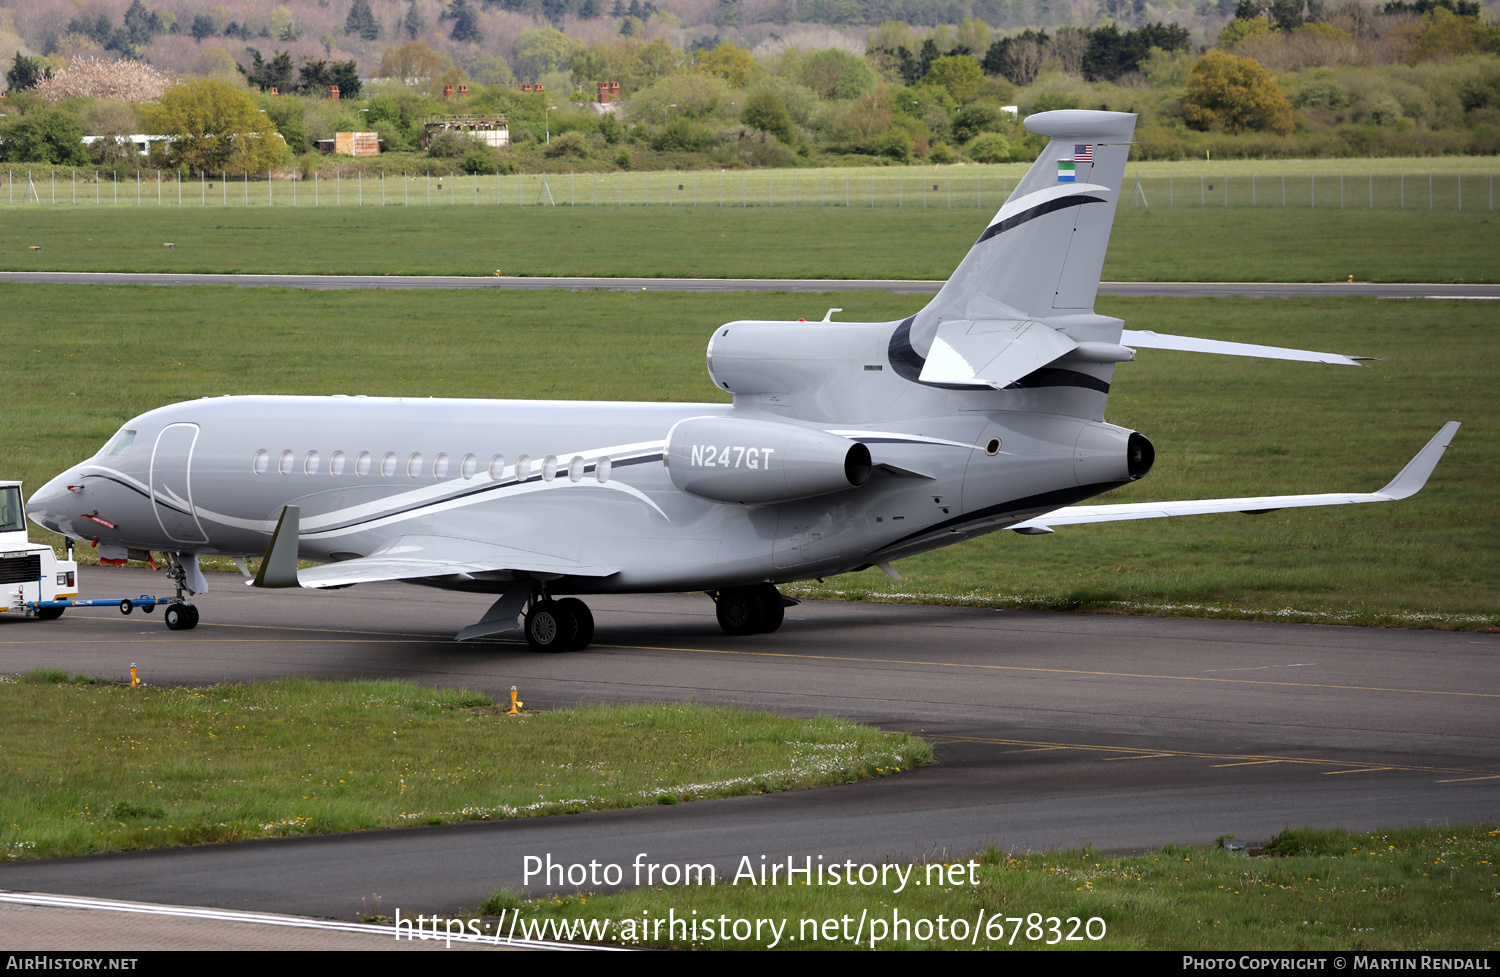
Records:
x=11, y=517
x=120, y=443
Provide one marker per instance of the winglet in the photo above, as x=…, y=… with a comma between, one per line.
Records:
x=1411, y=478
x=279, y=566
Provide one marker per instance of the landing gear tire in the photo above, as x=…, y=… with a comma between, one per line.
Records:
x=49, y=613
x=583, y=619
x=180, y=617
x=773, y=610
x=550, y=626
x=741, y=610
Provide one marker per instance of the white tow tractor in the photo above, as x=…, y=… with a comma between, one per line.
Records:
x=34, y=582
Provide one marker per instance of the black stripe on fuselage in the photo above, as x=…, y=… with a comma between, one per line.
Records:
x=1054, y=377
x=908, y=363
x=1045, y=501
x=146, y=495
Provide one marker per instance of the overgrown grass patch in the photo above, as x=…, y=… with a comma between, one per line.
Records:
x=1425, y=888
x=94, y=768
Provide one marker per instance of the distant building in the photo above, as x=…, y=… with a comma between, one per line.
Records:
x=141, y=142
x=491, y=130
x=356, y=143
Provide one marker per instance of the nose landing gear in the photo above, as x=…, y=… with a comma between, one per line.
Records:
x=180, y=615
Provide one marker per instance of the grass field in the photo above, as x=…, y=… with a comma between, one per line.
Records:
x=1430, y=888
x=1148, y=244
x=1441, y=183
x=86, y=358
x=95, y=767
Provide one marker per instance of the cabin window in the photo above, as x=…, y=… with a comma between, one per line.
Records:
x=362, y=464
x=284, y=463
x=575, y=468
x=262, y=462
x=523, y=468
x=497, y=467
x=414, y=465
x=601, y=470
x=336, y=464
x=549, y=468
x=310, y=463
x=388, y=464
x=440, y=466
x=469, y=466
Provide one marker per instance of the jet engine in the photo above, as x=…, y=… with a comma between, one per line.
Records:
x=1106, y=453
x=761, y=462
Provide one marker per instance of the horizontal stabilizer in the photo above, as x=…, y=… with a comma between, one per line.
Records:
x=991, y=352
x=1406, y=484
x=417, y=557
x=1146, y=339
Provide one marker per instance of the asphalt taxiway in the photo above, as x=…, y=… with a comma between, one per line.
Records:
x=1052, y=730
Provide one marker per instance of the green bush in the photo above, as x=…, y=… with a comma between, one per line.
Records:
x=449, y=145
x=570, y=145
x=990, y=147
x=480, y=160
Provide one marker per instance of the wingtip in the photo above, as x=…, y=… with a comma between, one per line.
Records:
x=1414, y=476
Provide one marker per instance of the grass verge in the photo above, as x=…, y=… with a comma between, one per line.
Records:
x=100, y=767
x=1148, y=244
x=1427, y=888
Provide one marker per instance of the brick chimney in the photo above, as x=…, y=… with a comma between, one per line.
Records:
x=463, y=91
x=333, y=93
x=447, y=92
x=525, y=86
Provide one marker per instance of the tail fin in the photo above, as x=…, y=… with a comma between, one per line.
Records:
x=1042, y=254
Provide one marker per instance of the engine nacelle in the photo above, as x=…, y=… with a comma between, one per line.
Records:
x=1106, y=453
x=761, y=462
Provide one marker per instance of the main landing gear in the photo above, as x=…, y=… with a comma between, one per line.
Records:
x=559, y=625
x=751, y=610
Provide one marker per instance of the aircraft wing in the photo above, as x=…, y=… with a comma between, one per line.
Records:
x=1146, y=339
x=408, y=558
x=1404, y=485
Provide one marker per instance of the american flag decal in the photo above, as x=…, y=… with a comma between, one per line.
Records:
x=1083, y=154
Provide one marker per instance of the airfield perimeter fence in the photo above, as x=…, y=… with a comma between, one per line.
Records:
x=980, y=187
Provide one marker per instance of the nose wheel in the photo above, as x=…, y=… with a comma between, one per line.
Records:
x=180, y=617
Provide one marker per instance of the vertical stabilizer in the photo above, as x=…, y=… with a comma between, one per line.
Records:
x=1042, y=254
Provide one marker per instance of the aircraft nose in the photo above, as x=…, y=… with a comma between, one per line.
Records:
x=49, y=505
